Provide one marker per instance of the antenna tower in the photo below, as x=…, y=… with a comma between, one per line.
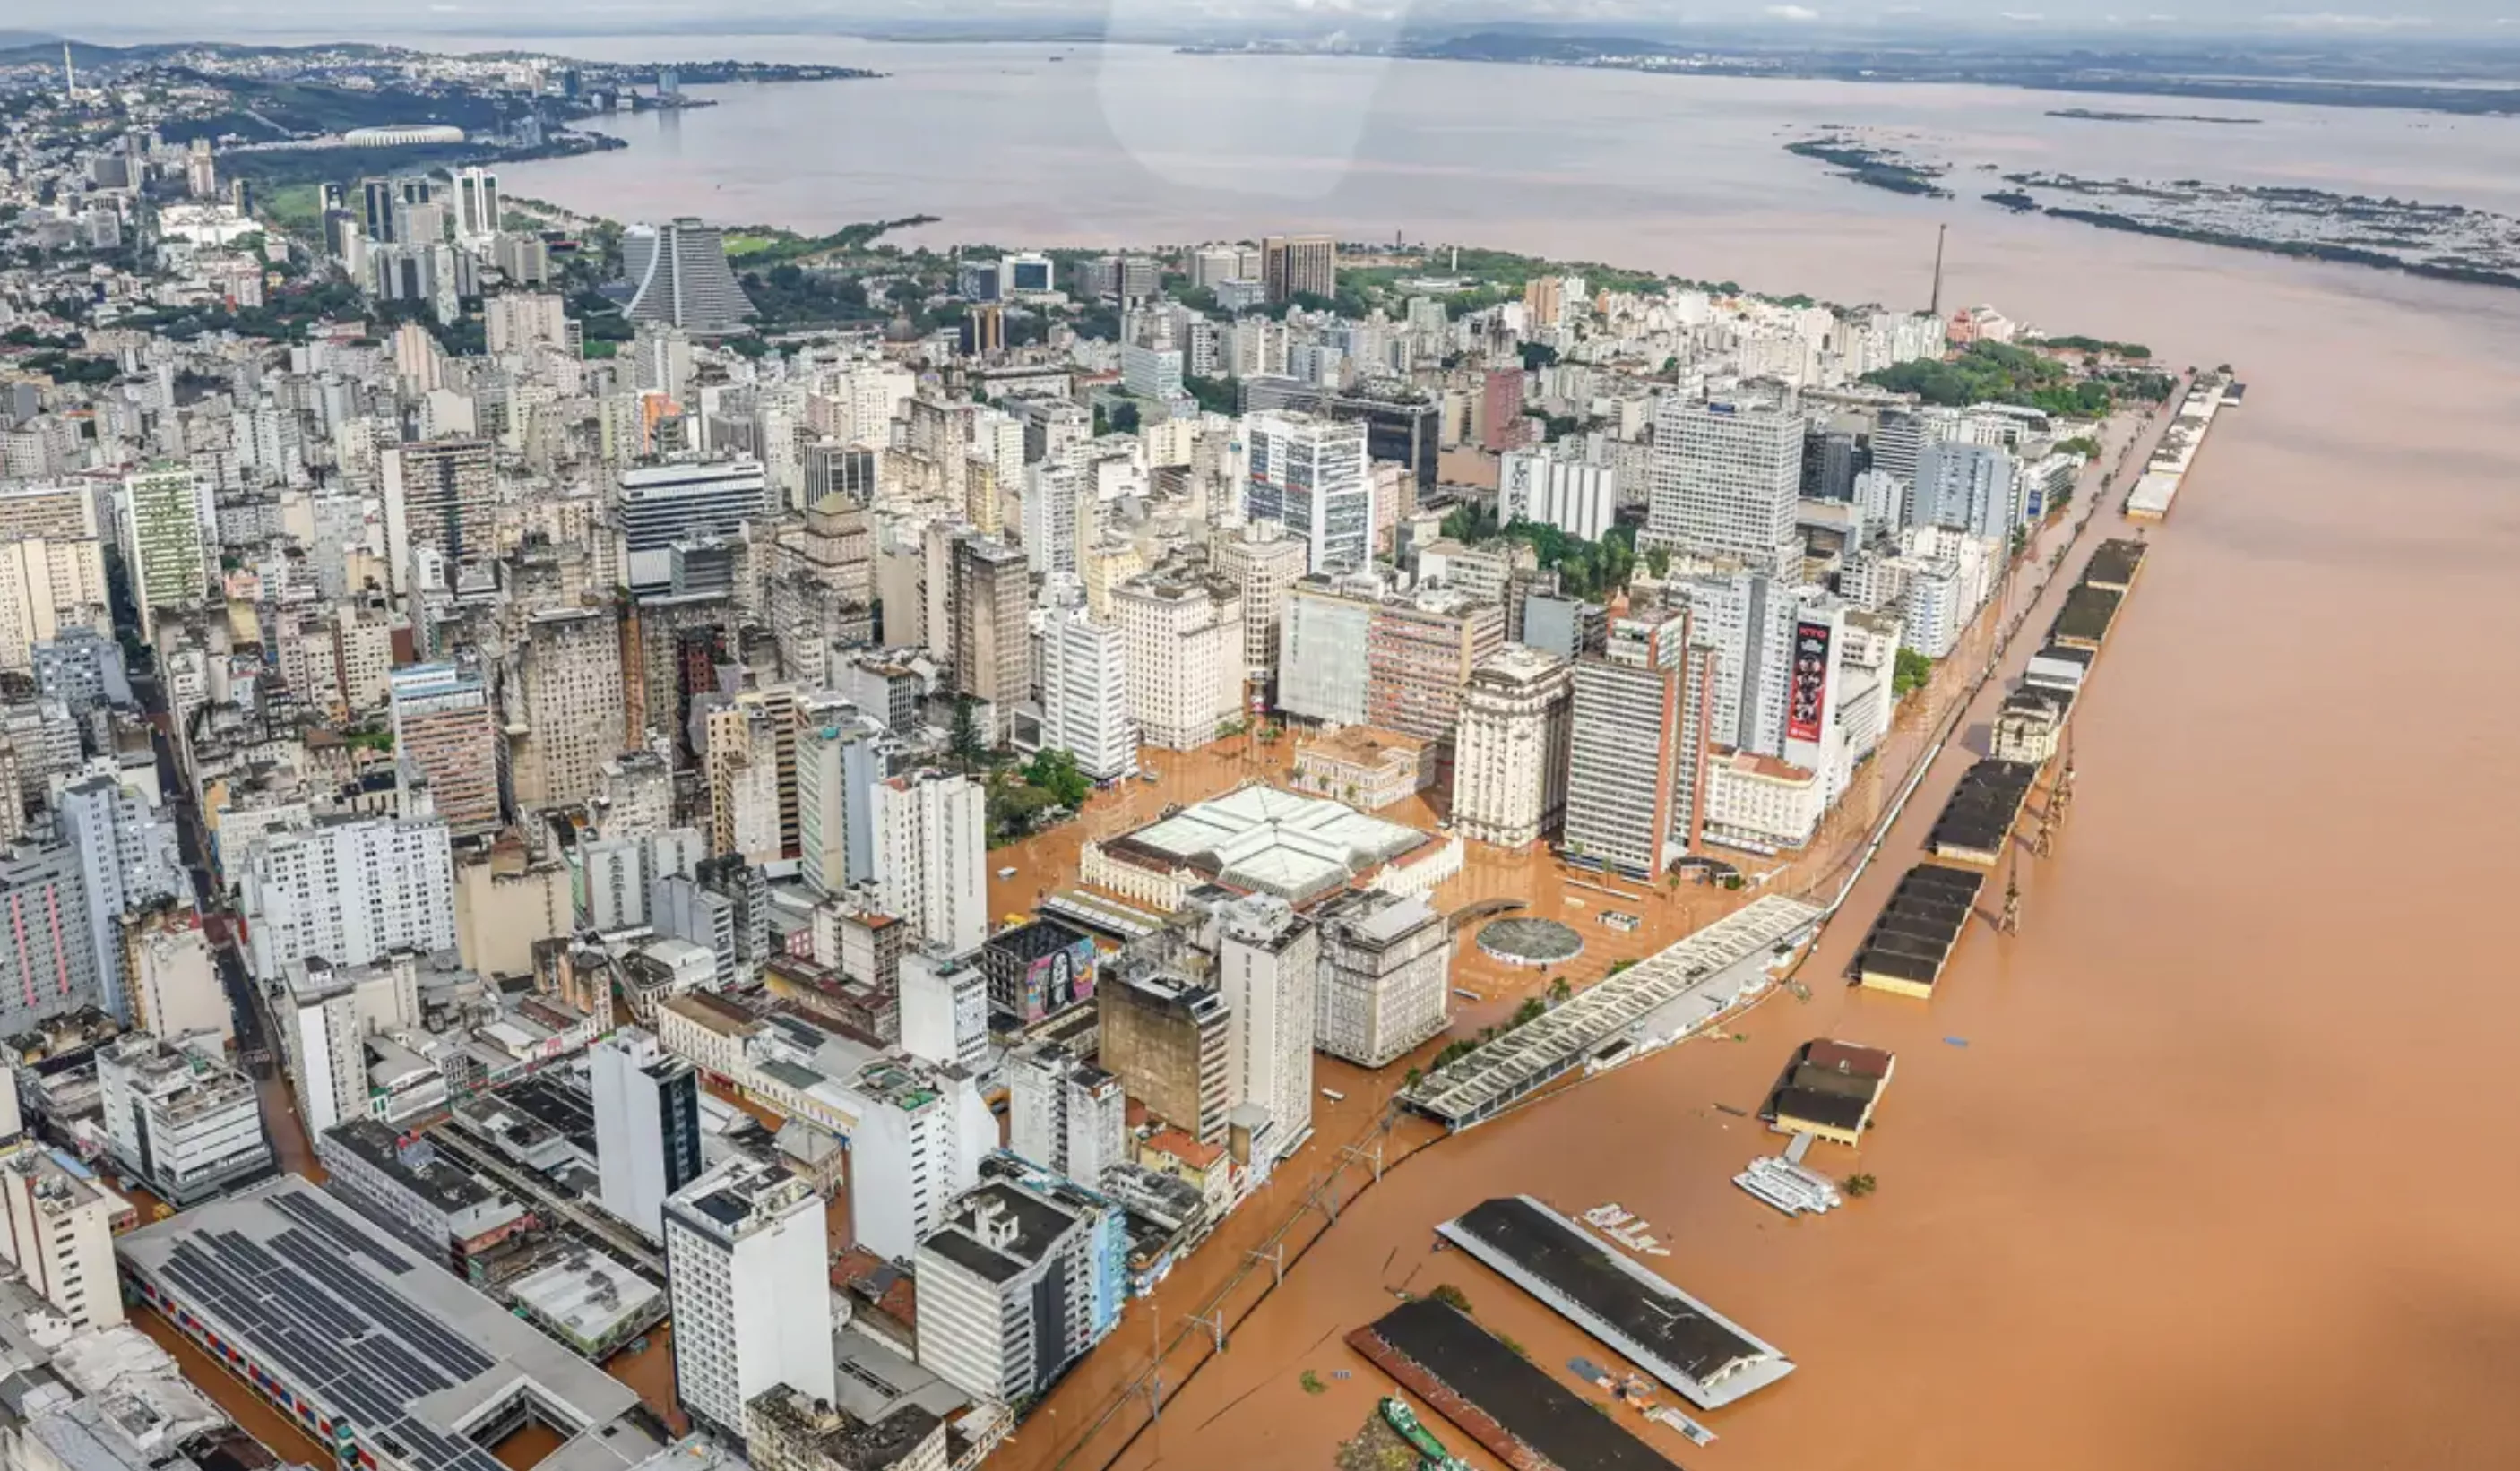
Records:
x=1941, y=232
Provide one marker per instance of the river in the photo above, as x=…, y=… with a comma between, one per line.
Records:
x=2215, y=1183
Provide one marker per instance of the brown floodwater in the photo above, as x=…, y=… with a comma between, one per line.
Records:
x=2185, y=1199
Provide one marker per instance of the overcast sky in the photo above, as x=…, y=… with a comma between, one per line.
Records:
x=108, y=21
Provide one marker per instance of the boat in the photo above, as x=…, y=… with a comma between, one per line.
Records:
x=1430, y=1452
x=1333, y=1094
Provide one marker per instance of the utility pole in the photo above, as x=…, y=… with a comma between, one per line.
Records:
x=1214, y=1323
x=2061, y=799
x=1275, y=1256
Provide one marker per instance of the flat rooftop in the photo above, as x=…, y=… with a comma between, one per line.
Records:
x=1704, y=1356
x=364, y=1330
x=2115, y=562
x=1708, y=971
x=1269, y=841
x=1526, y=1401
x=2087, y=615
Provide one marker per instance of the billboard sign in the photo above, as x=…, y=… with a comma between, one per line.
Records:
x=1807, y=697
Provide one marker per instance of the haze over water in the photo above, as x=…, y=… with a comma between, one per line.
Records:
x=2223, y=1179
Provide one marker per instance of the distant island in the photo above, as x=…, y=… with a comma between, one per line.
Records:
x=2086, y=114
x=1876, y=167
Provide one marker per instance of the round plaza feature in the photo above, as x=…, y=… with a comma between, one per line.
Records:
x=1527, y=941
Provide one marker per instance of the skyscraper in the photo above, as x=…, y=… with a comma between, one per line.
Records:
x=679, y=276
x=931, y=858
x=683, y=499
x=1007, y=1292
x=444, y=735
x=647, y=1126
x=1064, y=1114
x=1268, y=962
x=1309, y=476
x=747, y=1272
x=1510, y=756
x=1184, y=652
x=1299, y=265
x=565, y=691
x=476, y=205
x=47, y=956
x=1085, y=694
x=1636, y=763
x=1725, y=481
x=165, y=517
x=348, y=890
x=992, y=595
x=442, y=494
x=128, y=860
x=1264, y=563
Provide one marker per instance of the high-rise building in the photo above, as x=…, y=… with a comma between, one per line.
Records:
x=1725, y=479
x=179, y=1118
x=1263, y=561
x=1385, y=976
x=1419, y=654
x=683, y=499
x=477, y=206
x=348, y=890
x=931, y=857
x=47, y=954
x=57, y=1229
x=1502, y=425
x=441, y=494
x=921, y=1135
x=1637, y=759
x=1578, y=498
x=1509, y=758
x=740, y=764
x=172, y=984
x=563, y=706
x=945, y=1008
x=1184, y=652
x=52, y=590
x=1746, y=615
x=679, y=276
x=1268, y=965
x=747, y=1270
x=991, y=594
x=1309, y=476
x=444, y=735
x=838, y=765
x=1299, y=265
x=1007, y=1292
x=1085, y=694
x=165, y=520
x=128, y=859
x=1166, y=1040
x=647, y=1126
x=1064, y=1114
x=1967, y=487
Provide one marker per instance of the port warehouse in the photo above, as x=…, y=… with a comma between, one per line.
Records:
x=1979, y=818
x=1705, y=1357
x=1912, y=940
x=2158, y=486
x=1619, y=1016
x=1496, y=1396
x=388, y=1359
x=1831, y=1089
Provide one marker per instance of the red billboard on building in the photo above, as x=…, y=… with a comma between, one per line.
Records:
x=1807, y=697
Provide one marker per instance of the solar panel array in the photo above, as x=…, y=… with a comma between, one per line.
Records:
x=330, y=1332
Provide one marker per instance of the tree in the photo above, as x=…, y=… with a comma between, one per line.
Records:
x=1559, y=991
x=1452, y=1297
x=962, y=739
x=1054, y=771
x=1859, y=1185
x=1909, y=674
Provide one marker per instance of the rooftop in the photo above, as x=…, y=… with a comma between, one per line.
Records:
x=370, y=1333
x=1270, y=842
